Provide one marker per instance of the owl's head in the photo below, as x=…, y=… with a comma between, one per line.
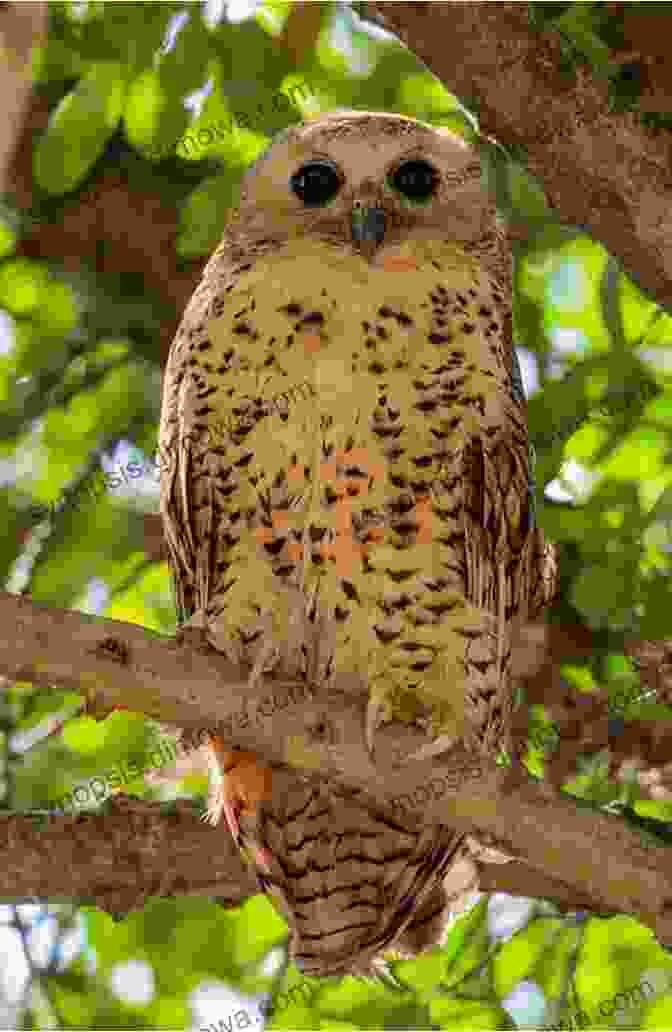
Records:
x=365, y=180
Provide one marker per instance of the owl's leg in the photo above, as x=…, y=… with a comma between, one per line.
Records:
x=238, y=784
x=238, y=781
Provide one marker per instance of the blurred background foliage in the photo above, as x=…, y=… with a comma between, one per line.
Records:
x=183, y=97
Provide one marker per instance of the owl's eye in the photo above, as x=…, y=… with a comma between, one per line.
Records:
x=316, y=182
x=416, y=180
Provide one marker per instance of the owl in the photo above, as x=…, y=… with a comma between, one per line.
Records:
x=346, y=486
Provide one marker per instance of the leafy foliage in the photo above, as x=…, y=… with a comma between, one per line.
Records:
x=80, y=379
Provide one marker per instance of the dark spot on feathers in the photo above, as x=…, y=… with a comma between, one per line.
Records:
x=384, y=635
x=385, y=312
x=293, y=308
x=400, y=506
x=467, y=327
x=405, y=526
x=483, y=310
x=313, y=317
x=205, y=345
x=242, y=328
x=274, y=547
x=440, y=338
x=397, y=576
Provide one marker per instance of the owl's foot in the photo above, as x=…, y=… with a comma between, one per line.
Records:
x=435, y=748
x=374, y=719
x=238, y=785
x=219, y=802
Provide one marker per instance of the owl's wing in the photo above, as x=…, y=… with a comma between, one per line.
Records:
x=176, y=431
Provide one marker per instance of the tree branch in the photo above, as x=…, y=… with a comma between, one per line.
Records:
x=601, y=170
x=122, y=857
x=21, y=27
x=321, y=733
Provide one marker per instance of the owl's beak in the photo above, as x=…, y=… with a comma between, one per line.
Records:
x=368, y=228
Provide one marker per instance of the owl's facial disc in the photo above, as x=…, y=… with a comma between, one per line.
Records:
x=366, y=182
x=372, y=207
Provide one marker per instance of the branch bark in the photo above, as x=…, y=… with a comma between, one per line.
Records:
x=121, y=858
x=21, y=27
x=601, y=170
x=320, y=732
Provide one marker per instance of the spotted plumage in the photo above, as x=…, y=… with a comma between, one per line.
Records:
x=346, y=479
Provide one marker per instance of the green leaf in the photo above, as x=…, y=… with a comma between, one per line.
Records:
x=475, y=947
x=205, y=213
x=84, y=735
x=155, y=116
x=528, y=200
x=79, y=128
x=516, y=958
x=453, y=1012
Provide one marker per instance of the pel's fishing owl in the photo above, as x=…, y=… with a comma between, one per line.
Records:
x=346, y=481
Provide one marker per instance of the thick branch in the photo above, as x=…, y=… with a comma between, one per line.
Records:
x=120, y=859
x=601, y=170
x=315, y=730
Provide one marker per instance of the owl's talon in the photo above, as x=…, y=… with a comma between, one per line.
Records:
x=220, y=804
x=435, y=748
x=263, y=858
x=374, y=713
